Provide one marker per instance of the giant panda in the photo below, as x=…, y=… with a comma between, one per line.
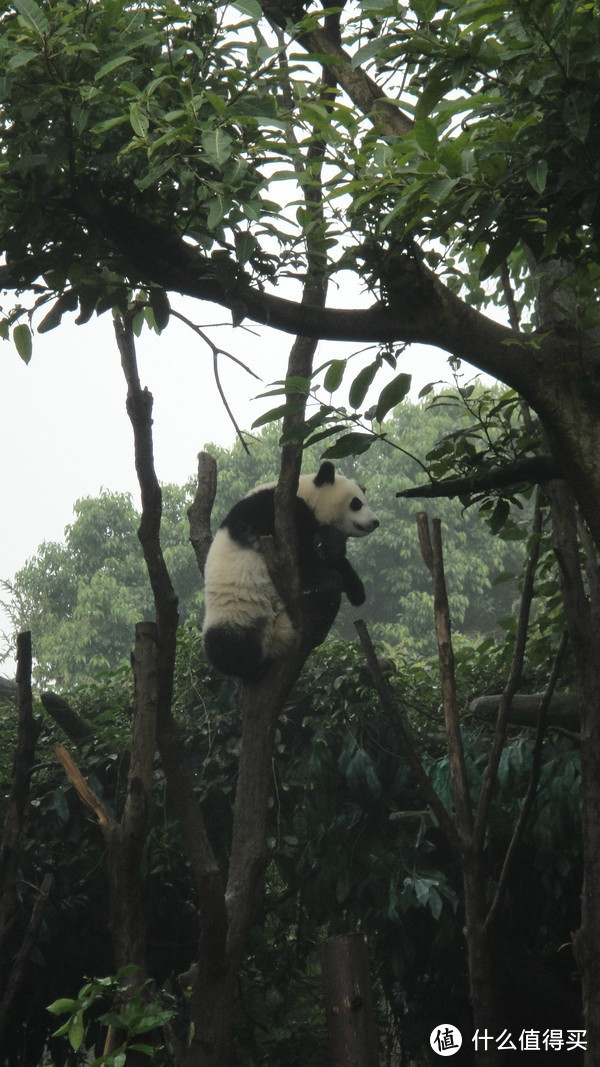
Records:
x=246, y=625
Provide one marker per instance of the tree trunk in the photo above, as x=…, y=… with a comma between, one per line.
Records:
x=349, y=1002
x=126, y=839
x=582, y=610
x=482, y=962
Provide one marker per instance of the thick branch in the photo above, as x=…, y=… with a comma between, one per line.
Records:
x=529, y=471
x=199, y=511
x=86, y=793
x=74, y=725
x=139, y=409
x=563, y=710
x=362, y=90
x=421, y=308
x=207, y=876
x=261, y=705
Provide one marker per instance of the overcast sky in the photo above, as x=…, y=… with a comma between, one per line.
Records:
x=64, y=431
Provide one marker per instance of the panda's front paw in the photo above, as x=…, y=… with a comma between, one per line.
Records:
x=329, y=544
x=355, y=592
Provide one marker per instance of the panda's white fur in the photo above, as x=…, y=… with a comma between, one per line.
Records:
x=246, y=625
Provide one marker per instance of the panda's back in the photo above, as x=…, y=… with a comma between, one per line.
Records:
x=238, y=588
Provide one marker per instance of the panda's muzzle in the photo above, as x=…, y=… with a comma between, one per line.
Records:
x=364, y=528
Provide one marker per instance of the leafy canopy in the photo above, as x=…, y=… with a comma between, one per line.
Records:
x=193, y=118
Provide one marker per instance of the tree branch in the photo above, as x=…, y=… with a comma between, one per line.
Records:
x=529, y=471
x=420, y=774
x=421, y=308
x=534, y=780
x=200, y=509
x=261, y=704
x=207, y=876
x=362, y=90
x=18, y=799
x=491, y=770
x=431, y=549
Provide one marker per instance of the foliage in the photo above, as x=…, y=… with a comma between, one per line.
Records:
x=139, y=1016
x=351, y=846
x=144, y=150
x=82, y=598
x=503, y=156
x=145, y=105
x=187, y=117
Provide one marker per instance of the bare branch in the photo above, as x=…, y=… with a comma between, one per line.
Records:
x=534, y=780
x=390, y=707
x=86, y=793
x=200, y=509
x=491, y=770
x=431, y=548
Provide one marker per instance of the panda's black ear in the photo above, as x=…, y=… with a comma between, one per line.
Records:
x=326, y=474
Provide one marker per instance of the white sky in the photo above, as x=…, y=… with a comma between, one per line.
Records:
x=64, y=431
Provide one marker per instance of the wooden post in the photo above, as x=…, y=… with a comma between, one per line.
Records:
x=349, y=1002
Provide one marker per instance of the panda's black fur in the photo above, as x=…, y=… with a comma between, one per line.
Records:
x=246, y=625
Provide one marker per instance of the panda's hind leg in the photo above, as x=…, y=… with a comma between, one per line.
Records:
x=236, y=652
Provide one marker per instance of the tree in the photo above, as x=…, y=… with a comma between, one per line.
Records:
x=493, y=89
x=491, y=180
x=84, y=596
x=337, y=861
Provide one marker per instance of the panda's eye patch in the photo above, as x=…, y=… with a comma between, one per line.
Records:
x=355, y=504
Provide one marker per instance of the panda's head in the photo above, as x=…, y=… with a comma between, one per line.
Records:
x=337, y=502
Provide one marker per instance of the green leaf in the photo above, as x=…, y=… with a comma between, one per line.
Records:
x=112, y=64
x=218, y=145
x=59, y=1007
x=32, y=16
x=23, y=341
x=537, y=174
x=499, y=516
x=159, y=302
x=424, y=9
x=251, y=8
x=138, y=119
x=360, y=385
x=60, y=805
x=372, y=48
x=392, y=394
x=76, y=1030
x=499, y=251
x=351, y=444
x=334, y=375
x=21, y=58
x=291, y=408
x=426, y=135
